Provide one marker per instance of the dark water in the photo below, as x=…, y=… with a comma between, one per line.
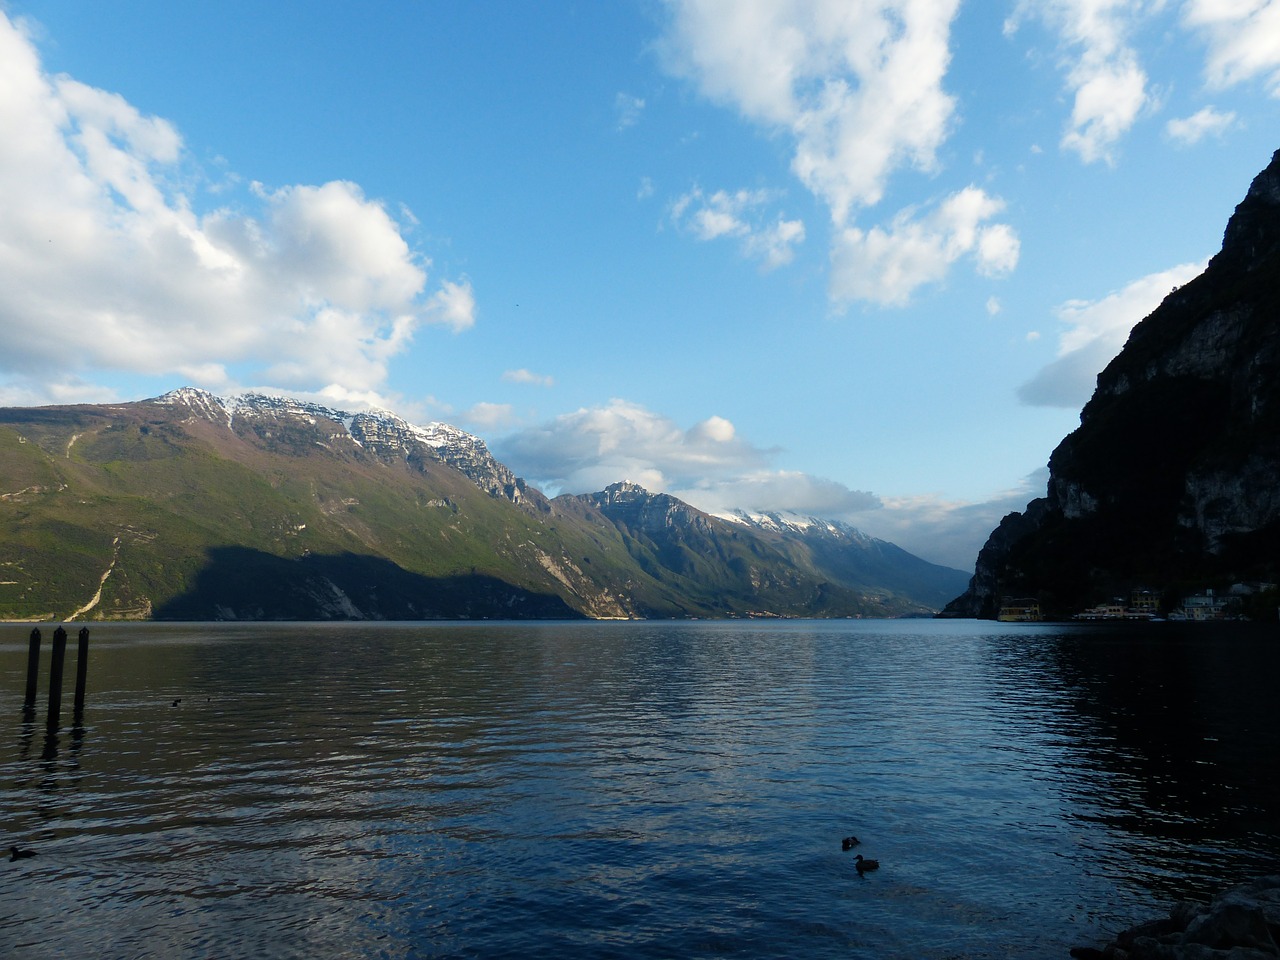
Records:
x=633, y=789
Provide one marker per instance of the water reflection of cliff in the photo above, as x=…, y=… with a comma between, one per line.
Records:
x=1174, y=746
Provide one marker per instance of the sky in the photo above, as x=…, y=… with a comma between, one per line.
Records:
x=853, y=259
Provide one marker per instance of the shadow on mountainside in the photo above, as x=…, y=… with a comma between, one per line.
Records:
x=239, y=583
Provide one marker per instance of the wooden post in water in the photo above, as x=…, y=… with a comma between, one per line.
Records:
x=33, y=670
x=82, y=670
x=55, y=675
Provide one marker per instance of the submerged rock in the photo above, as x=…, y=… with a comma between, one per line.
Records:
x=1242, y=923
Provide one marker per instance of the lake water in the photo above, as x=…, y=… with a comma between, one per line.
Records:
x=633, y=789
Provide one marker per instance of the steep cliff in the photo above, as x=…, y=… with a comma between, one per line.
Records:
x=1172, y=480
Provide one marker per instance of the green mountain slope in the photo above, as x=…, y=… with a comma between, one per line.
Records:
x=193, y=507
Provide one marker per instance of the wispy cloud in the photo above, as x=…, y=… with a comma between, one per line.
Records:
x=527, y=376
x=740, y=215
x=1094, y=331
x=1107, y=81
x=105, y=262
x=628, y=109
x=1243, y=38
x=886, y=266
x=1207, y=122
x=489, y=416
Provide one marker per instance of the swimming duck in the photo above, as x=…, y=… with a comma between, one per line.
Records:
x=848, y=843
x=864, y=865
x=16, y=854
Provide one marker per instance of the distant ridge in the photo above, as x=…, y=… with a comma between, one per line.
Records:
x=252, y=507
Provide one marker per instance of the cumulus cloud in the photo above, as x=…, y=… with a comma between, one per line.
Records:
x=1207, y=122
x=739, y=215
x=1102, y=70
x=1094, y=333
x=857, y=86
x=1243, y=37
x=858, y=89
x=886, y=266
x=106, y=264
x=590, y=448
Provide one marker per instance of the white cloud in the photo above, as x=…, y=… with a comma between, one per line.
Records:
x=858, y=86
x=1207, y=122
x=1243, y=38
x=105, y=263
x=590, y=448
x=628, y=109
x=858, y=89
x=454, y=304
x=739, y=215
x=1095, y=332
x=1108, y=83
x=527, y=376
x=887, y=266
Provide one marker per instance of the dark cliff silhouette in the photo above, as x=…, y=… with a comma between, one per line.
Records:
x=1172, y=481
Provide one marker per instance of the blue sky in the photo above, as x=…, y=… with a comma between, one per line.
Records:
x=860, y=260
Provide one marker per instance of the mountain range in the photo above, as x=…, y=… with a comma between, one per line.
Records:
x=1171, y=483
x=192, y=506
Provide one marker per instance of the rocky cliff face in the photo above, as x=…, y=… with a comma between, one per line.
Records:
x=380, y=433
x=1172, y=480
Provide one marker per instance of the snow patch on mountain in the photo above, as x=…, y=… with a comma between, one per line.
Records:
x=786, y=522
x=379, y=431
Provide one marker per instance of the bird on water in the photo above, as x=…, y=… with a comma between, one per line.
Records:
x=848, y=843
x=16, y=854
x=864, y=865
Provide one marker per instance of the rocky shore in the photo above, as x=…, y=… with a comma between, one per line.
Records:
x=1242, y=923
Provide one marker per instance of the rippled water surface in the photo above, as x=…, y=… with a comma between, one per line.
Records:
x=632, y=789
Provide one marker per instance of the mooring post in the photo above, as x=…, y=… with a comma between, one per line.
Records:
x=55, y=675
x=82, y=670
x=33, y=670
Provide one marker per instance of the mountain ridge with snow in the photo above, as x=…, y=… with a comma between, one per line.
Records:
x=194, y=506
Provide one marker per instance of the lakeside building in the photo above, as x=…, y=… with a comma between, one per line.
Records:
x=1022, y=610
x=1143, y=604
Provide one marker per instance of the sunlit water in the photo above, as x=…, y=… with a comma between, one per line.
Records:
x=633, y=789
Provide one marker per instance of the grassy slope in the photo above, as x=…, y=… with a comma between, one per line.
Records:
x=278, y=518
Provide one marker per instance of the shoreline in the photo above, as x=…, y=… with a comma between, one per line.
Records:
x=1240, y=923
